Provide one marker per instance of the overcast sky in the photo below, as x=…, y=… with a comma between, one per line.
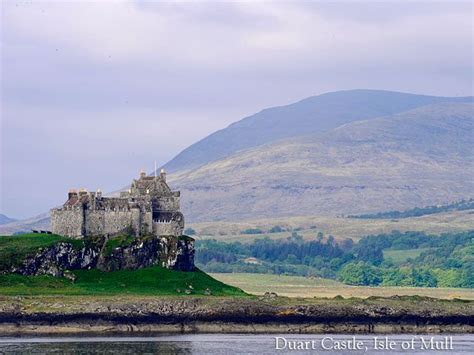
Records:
x=94, y=91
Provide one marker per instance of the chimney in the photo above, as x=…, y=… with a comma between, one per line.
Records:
x=99, y=193
x=72, y=192
x=163, y=175
x=142, y=174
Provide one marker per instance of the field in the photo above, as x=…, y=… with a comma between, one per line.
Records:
x=339, y=227
x=155, y=281
x=400, y=256
x=298, y=286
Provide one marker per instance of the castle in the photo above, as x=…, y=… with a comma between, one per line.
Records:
x=149, y=207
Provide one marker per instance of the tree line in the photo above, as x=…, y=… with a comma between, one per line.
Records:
x=445, y=260
x=462, y=205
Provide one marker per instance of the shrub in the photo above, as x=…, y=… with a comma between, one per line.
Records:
x=189, y=231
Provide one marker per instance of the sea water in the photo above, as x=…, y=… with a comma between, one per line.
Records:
x=244, y=344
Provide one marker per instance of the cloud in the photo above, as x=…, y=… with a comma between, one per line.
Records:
x=114, y=84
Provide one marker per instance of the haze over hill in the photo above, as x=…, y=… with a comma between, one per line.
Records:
x=316, y=114
x=419, y=157
x=5, y=219
x=329, y=154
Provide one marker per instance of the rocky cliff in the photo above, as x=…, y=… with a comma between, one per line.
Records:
x=119, y=253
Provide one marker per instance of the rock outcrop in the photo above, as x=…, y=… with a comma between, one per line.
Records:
x=169, y=252
x=58, y=258
x=176, y=253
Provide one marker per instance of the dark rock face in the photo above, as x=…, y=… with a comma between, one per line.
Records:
x=58, y=258
x=169, y=252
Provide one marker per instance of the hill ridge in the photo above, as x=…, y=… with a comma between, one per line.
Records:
x=314, y=114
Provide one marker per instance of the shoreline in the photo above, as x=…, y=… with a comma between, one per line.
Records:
x=107, y=315
x=154, y=329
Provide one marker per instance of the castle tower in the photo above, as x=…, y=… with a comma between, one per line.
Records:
x=149, y=207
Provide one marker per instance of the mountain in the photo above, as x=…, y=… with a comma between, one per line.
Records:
x=327, y=154
x=419, y=157
x=26, y=225
x=4, y=219
x=317, y=114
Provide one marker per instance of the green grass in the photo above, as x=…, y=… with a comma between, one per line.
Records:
x=155, y=281
x=305, y=287
x=401, y=256
x=14, y=249
x=185, y=238
x=120, y=241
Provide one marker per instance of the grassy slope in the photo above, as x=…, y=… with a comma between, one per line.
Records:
x=150, y=281
x=340, y=228
x=361, y=167
x=14, y=249
x=298, y=286
x=400, y=256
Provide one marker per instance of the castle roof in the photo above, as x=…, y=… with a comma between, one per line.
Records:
x=150, y=185
x=76, y=199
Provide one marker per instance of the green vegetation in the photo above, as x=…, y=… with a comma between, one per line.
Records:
x=276, y=229
x=184, y=237
x=395, y=259
x=252, y=231
x=120, y=241
x=148, y=281
x=189, y=231
x=401, y=256
x=14, y=249
x=462, y=205
x=309, y=287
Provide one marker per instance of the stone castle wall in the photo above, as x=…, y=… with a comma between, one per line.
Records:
x=168, y=203
x=77, y=223
x=68, y=222
x=167, y=228
x=149, y=207
x=100, y=222
x=146, y=223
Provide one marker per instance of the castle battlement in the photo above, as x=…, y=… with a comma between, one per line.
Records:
x=149, y=207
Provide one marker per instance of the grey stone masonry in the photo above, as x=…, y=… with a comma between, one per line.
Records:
x=149, y=207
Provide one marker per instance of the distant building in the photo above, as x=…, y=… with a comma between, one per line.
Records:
x=149, y=207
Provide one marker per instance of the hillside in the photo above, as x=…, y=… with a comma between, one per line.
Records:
x=371, y=165
x=416, y=158
x=41, y=221
x=5, y=219
x=340, y=228
x=317, y=114
x=462, y=205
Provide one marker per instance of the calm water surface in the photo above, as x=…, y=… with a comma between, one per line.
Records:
x=236, y=344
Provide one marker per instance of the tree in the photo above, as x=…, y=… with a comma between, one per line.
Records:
x=347, y=244
x=423, y=278
x=331, y=240
x=320, y=237
x=276, y=229
x=372, y=255
x=360, y=273
x=189, y=231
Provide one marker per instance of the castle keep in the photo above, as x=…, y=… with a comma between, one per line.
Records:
x=149, y=207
